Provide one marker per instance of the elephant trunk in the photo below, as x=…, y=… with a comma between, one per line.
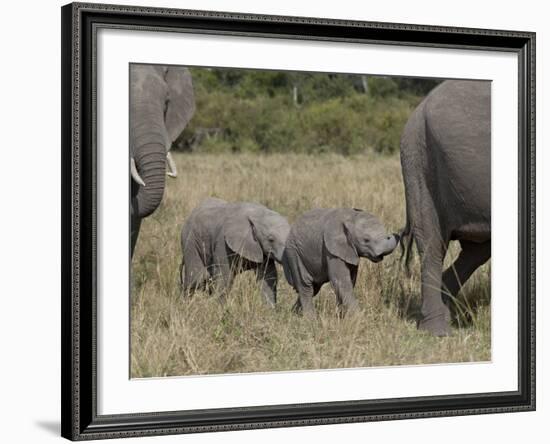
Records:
x=383, y=247
x=151, y=162
x=149, y=154
x=389, y=244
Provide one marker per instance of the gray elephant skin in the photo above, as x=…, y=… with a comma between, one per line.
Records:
x=446, y=164
x=161, y=104
x=325, y=245
x=221, y=239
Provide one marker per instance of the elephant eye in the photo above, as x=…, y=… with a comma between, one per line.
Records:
x=270, y=238
x=367, y=240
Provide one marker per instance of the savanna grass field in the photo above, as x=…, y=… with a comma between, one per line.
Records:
x=176, y=336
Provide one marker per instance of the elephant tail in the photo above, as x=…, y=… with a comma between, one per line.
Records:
x=406, y=238
x=412, y=152
x=182, y=264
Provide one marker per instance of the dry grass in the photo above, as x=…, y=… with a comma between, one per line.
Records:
x=173, y=336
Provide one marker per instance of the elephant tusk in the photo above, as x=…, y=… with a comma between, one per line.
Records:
x=172, y=169
x=134, y=173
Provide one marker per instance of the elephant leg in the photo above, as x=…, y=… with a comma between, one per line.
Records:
x=223, y=281
x=301, y=282
x=268, y=276
x=193, y=276
x=224, y=274
x=305, y=301
x=353, y=274
x=193, y=272
x=306, y=291
x=195, y=281
x=342, y=281
x=471, y=257
x=435, y=313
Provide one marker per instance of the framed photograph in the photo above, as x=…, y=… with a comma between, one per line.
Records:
x=282, y=221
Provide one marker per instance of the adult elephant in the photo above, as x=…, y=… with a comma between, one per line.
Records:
x=446, y=164
x=161, y=104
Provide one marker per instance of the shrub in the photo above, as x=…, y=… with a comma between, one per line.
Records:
x=256, y=112
x=332, y=126
x=382, y=86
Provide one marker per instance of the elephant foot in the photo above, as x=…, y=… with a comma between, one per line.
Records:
x=437, y=326
x=307, y=311
x=270, y=300
x=297, y=308
x=186, y=293
x=348, y=311
x=222, y=298
x=310, y=315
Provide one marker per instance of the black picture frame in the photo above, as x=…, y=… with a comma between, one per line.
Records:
x=80, y=420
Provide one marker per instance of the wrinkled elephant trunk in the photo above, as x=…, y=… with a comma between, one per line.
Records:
x=151, y=162
x=148, y=166
x=149, y=154
x=278, y=255
x=151, y=165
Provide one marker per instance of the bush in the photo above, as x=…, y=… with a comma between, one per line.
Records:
x=382, y=87
x=332, y=126
x=257, y=112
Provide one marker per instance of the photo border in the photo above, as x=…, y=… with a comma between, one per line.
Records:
x=78, y=333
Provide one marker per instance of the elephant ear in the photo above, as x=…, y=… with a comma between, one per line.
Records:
x=180, y=105
x=338, y=241
x=239, y=237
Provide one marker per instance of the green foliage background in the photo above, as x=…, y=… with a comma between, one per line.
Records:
x=277, y=111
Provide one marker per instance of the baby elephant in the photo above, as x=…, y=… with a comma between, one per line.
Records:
x=221, y=239
x=325, y=245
